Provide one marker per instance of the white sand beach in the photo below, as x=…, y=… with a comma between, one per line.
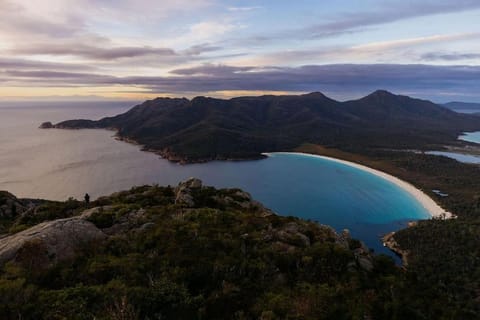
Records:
x=428, y=203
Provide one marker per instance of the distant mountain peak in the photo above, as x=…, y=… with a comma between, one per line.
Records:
x=318, y=95
x=382, y=93
x=244, y=127
x=315, y=94
x=201, y=99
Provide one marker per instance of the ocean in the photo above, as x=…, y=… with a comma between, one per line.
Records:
x=59, y=164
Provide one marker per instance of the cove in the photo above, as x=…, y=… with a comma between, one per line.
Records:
x=58, y=164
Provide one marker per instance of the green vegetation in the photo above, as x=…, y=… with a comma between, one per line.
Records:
x=446, y=255
x=442, y=254
x=220, y=260
x=204, y=129
x=223, y=257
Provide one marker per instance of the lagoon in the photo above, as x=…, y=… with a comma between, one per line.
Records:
x=470, y=137
x=461, y=157
x=473, y=137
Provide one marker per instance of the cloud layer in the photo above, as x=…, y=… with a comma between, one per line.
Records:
x=342, y=81
x=345, y=48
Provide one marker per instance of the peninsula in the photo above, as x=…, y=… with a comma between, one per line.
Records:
x=205, y=129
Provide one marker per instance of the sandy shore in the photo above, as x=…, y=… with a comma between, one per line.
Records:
x=431, y=206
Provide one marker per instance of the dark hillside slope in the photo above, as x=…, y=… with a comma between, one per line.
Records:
x=204, y=128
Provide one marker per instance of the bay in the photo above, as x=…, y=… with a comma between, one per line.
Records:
x=58, y=164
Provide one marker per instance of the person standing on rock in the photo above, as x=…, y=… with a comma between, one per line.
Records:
x=87, y=199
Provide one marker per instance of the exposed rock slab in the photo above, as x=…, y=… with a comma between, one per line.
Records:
x=183, y=191
x=59, y=237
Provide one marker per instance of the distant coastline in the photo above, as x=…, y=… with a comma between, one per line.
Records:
x=433, y=208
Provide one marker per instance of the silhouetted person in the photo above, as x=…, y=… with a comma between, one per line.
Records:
x=87, y=199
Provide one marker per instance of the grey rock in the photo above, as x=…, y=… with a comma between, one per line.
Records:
x=10, y=206
x=365, y=263
x=183, y=191
x=192, y=183
x=89, y=212
x=291, y=234
x=343, y=238
x=185, y=199
x=60, y=237
x=243, y=195
x=146, y=226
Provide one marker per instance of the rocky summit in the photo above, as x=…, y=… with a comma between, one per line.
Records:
x=173, y=253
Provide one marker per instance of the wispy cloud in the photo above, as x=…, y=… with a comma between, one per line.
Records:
x=338, y=80
x=196, y=46
x=244, y=9
x=384, y=50
x=91, y=52
x=344, y=23
x=24, y=64
x=453, y=56
x=402, y=43
x=389, y=13
x=199, y=49
x=17, y=20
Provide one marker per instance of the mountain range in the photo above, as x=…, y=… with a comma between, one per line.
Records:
x=463, y=106
x=203, y=128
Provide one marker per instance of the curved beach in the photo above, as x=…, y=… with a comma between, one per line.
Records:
x=428, y=203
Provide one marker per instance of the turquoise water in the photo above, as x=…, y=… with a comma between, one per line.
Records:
x=321, y=190
x=461, y=157
x=465, y=158
x=471, y=137
x=58, y=164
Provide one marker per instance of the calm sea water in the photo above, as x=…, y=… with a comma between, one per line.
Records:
x=465, y=158
x=471, y=137
x=461, y=157
x=58, y=164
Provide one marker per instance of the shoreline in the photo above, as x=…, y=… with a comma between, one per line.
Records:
x=433, y=208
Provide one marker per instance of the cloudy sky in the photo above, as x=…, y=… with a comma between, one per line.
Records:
x=136, y=49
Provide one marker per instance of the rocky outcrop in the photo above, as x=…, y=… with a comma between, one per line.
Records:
x=129, y=212
x=390, y=242
x=47, y=125
x=292, y=234
x=127, y=222
x=10, y=206
x=59, y=238
x=362, y=254
x=183, y=192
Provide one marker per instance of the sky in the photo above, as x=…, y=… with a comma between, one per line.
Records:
x=140, y=49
